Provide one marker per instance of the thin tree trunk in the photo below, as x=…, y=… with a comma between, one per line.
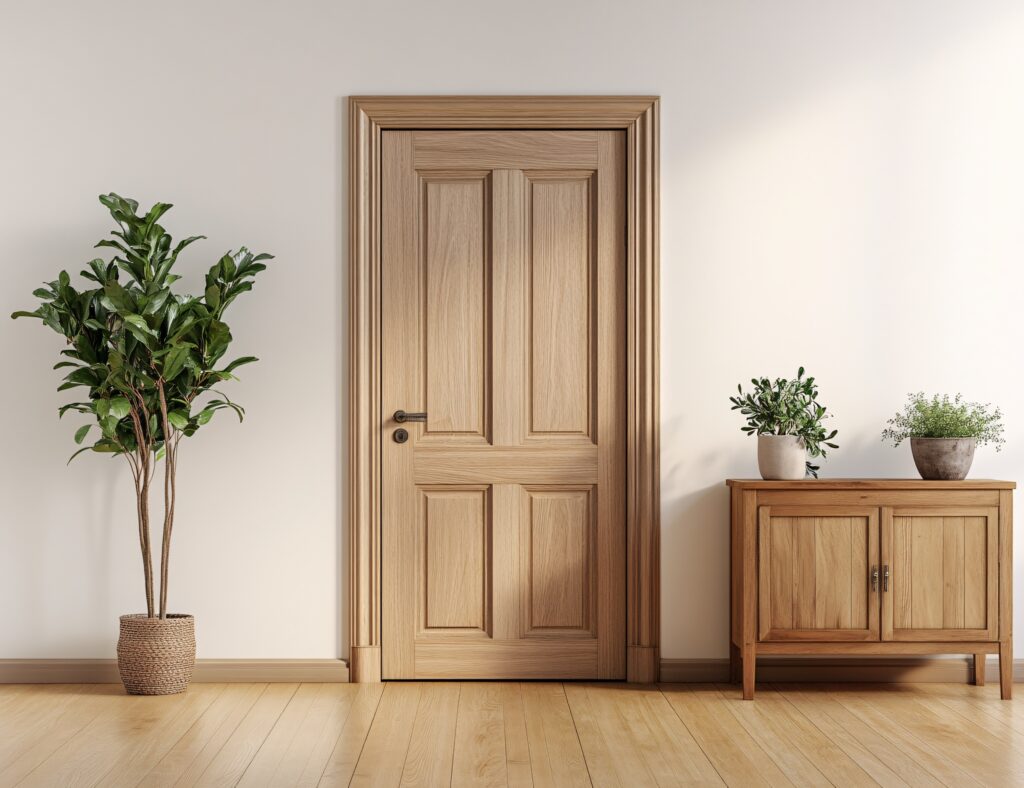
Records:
x=171, y=459
x=169, y=452
x=142, y=504
x=147, y=567
x=148, y=557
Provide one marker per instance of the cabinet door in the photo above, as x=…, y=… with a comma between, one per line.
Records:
x=943, y=570
x=814, y=574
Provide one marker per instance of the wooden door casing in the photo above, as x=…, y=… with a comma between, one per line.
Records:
x=815, y=567
x=943, y=567
x=503, y=318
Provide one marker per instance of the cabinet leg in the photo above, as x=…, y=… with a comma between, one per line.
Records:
x=979, y=669
x=734, y=663
x=1006, y=670
x=749, y=664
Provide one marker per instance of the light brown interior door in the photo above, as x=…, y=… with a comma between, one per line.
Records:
x=503, y=320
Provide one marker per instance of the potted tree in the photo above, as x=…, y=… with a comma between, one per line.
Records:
x=944, y=433
x=787, y=419
x=149, y=359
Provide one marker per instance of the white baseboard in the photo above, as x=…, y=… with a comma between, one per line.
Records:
x=837, y=669
x=104, y=671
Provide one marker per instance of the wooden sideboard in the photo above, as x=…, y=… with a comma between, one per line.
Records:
x=871, y=567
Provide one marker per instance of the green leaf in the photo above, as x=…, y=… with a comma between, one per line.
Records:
x=81, y=433
x=156, y=302
x=213, y=296
x=119, y=298
x=87, y=448
x=178, y=419
x=23, y=313
x=227, y=267
x=239, y=362
x=120, y=407
x=174, y=363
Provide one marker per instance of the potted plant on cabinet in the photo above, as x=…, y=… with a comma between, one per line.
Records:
x=944, y=433
x=148, y=358
x=787, y=419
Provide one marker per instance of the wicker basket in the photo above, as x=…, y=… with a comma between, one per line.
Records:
x=155, y=656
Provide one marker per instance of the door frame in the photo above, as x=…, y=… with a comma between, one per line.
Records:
x=369, y=116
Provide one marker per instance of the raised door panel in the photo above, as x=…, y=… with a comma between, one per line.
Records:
x=455, y=245
x=503, y=299
x=940, y=574
x=561, y=295
x=815, y=566
x=454, y=567
x=558, y=547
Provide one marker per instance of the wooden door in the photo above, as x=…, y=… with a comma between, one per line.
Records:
x=943, y=571
x=503, y=319
x=815, y=573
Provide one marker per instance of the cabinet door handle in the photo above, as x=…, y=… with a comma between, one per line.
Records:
x=874, y=579
x=885, y=578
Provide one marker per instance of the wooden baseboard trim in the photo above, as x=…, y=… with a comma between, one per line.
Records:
x=838, y=669
x=104, y=671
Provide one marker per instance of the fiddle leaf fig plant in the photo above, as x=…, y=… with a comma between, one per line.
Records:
x=787, y=407
x=149, y=358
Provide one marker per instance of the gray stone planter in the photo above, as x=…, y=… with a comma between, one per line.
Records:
x=943, y=458
x=781, y=457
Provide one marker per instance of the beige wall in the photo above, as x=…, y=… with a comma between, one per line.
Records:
x=842, y=187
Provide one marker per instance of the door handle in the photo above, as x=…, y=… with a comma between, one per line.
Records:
x=885, y=577
x=402, y=417
x=874, y=579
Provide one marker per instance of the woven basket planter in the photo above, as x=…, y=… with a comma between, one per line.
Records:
x=155, y=656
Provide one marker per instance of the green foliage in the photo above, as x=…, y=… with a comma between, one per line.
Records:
x=940, y=417
x=132, y=341
x=145, y=355
x=786, y=407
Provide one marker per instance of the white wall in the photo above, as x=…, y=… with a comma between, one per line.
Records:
x=842, y=187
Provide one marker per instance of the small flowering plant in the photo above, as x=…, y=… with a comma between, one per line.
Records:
x=941, y=417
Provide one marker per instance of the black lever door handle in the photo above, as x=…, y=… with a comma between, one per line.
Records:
x=402, y=417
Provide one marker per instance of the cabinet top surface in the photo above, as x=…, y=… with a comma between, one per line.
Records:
x=871, y=484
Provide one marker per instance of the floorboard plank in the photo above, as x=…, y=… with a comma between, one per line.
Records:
x=601, y=763
x=263, y=769
x=131, y=766
x=230, y=763
x=735, y=755
x=433, y=741
x=303, y=763
x=861, y=704
x=349, y=745
x=959, y=740
x=198, y=746
x=31, y=732
x=479, y=757
x=556, y=757
x=780, y=720
x=517, y=741
x=875, y=754
x=387, y=744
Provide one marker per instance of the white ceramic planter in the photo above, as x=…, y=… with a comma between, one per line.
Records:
x=781, y=457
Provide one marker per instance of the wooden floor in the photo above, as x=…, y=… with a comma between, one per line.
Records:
x=436, y=734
